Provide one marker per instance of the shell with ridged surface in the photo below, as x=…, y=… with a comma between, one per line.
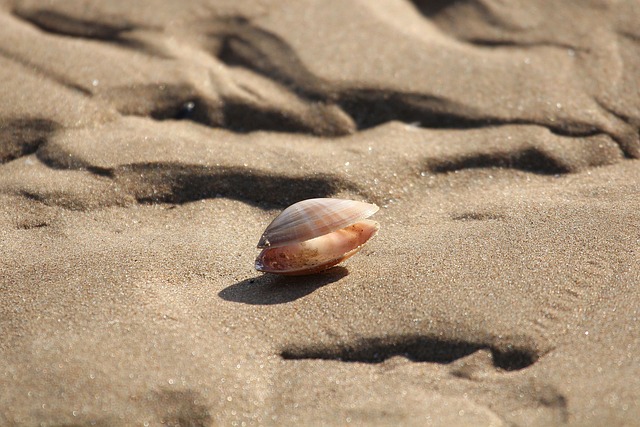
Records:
x=313, y=218
x=314, y=235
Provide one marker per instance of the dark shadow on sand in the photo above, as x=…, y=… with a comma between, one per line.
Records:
x=418, y=348
x=271, y=289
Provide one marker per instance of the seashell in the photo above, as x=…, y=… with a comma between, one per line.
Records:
x=314, y=235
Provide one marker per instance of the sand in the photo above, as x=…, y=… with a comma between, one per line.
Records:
x=144, y=148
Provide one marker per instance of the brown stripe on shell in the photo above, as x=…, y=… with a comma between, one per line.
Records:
x=318, y=254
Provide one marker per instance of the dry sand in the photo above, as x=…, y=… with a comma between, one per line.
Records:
x=144, y=147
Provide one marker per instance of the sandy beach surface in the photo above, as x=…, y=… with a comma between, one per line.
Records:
x=145, y=146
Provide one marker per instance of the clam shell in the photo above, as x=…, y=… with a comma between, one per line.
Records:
x=318, y=254
x=312, y=218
